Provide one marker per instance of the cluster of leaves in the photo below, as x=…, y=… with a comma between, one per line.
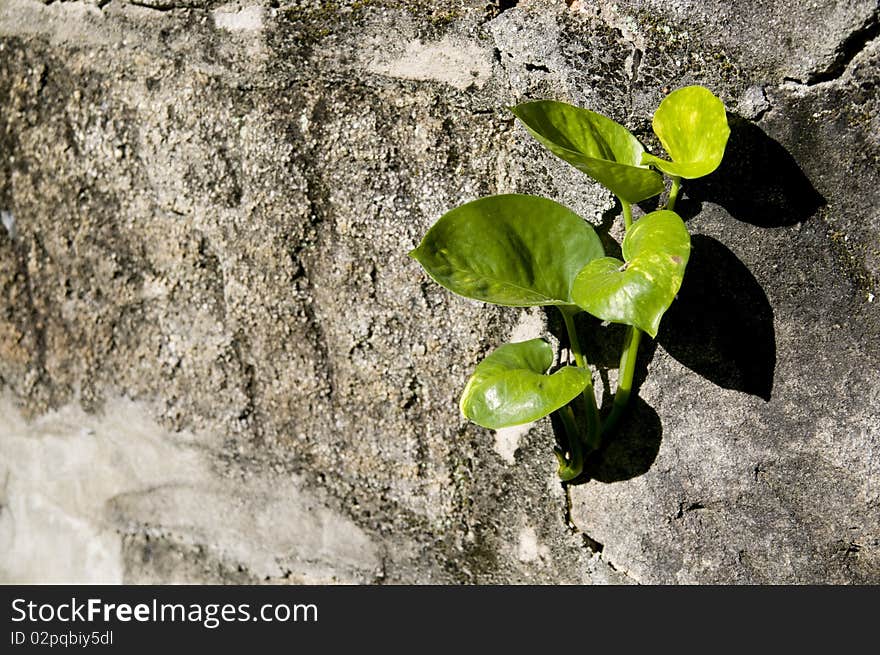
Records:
x=522, y=251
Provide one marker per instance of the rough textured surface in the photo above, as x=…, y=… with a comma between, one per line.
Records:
x=218, y=363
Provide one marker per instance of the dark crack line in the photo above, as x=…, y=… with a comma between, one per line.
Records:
x=162, y=7
x=633, y=76
x=595, y=547
x=566, y=510
x=635, y=56
x=762, y=112
x=634, y=70
x=601, y=555
x=250, y=412
x=381, y=575
x=848, y=50
x=591, y=544
x=684, y=508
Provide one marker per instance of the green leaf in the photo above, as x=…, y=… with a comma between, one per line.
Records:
x=656, y=249
x=596, y=145
x=509, y=386
x=692, y=126
x=509, y=250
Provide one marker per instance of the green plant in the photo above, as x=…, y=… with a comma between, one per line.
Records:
x=521, y=251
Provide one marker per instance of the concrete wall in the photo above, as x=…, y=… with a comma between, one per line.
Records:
x=218, y=364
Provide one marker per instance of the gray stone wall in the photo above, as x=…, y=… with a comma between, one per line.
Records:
x=217, y=363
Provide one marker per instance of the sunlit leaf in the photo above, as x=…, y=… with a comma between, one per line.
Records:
x=509, y=250
x=692, y=126
x=596, y=145
x=638, y=292
x=509, y=387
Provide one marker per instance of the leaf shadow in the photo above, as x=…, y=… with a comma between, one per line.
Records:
x=758, y=181
x=631, y=450
x=721, y=324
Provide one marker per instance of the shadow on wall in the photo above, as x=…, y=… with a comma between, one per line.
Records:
x=721, y=324
x=758, y=181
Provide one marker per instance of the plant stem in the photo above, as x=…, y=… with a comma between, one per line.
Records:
x=673, y=193
x=633, y=334
x=572, y=466
x=624, y=377
x=591, y=435
x=627, y=214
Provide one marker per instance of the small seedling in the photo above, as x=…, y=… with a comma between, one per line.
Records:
x=523, y=251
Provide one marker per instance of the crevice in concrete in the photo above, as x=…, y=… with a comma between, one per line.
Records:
x=317, y=197
x=754, y=104
x=591, y=544
x=848, y=50
x=610, y=17
x=163, y=6
x=634, y=68
x=762, y=112
x=596, y=548
x=759, y=472
x=566, y=510
x=618, y=569
x=684, y=508
x=249, y=414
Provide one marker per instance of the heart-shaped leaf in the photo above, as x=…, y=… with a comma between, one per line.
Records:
x=692, y=126
x=596, y=145
x=509, y=386
x=656, y=249
x=509, y=250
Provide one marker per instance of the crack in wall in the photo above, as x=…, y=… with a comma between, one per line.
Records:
x=848, y=50
x=684, y=508
x=537, y=67
x=635, y=64
x=158, y=5
x=566, y=510
x=595, y=547
x=610, y=16
x=250, y=412
x=845, y=53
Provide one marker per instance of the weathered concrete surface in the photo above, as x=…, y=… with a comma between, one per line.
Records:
x=219, y=364
x=83, y=479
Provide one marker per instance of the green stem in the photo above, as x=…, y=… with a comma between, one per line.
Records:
x=627, y=214
x=631, y=344
x=591, y=435
x=633, y=334
x=571, y=464
x=673, y=193
x=624, y=377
